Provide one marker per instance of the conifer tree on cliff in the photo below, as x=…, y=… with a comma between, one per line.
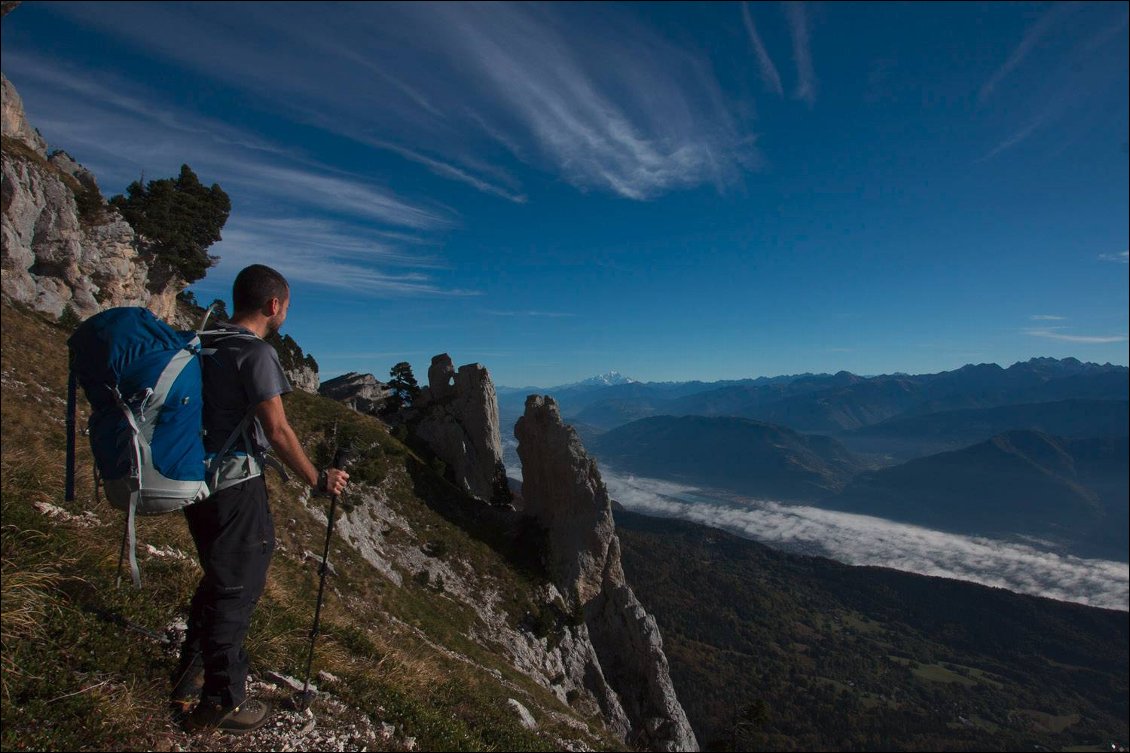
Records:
x=403, y=384
x=180, y=218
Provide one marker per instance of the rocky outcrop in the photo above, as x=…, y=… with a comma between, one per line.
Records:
x=66, y=164
x=14, y=121
x=564, y=493
x=51, y=254
x=456, y=415
x=304, y=378
x=361, y=392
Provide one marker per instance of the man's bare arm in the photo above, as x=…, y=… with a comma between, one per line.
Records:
x=272, y=415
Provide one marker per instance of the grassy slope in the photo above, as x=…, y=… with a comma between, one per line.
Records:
x=75, y=680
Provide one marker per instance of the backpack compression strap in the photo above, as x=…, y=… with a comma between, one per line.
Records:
x=130, y=537
x=72, y=398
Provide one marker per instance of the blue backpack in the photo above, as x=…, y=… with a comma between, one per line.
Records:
x=143, y=381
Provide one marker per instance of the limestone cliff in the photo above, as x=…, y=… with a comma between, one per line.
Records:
x=563, y=491
x=363, y=393
x=61, y=245
x=456, y=415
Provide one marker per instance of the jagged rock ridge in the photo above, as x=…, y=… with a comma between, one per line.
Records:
x=456, y=415
x=563, y=491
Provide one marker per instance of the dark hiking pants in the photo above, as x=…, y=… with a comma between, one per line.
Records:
x=235, y=537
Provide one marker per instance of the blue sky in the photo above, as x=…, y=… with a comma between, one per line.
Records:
x=674, y=191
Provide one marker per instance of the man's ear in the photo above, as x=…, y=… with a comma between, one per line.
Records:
x=274, y=306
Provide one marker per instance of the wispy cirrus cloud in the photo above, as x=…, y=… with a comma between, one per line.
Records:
x=1055, y=334
x=1123, y=257
x=797, y=15
x=592, y=94
x=315, y=223
x=545, y=314
x=1107, y=34
x=864, y=540
x=1019, y=136
x=1046, y=318
x=1028, y=42
x=320, y=253
x=769, y=74
x=446, y=170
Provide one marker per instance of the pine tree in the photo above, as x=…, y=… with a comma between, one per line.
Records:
x=405, y=390
x=181, y=218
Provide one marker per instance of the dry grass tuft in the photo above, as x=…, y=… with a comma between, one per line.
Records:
x=28, y=597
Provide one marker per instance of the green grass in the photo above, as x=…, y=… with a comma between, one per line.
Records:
x=938, y=673
x=1051, y=722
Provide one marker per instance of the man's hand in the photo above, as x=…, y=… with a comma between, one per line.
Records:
x=285, y=443
x=335, y=479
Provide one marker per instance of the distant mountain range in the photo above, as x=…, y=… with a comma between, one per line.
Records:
x=904, y=438
x=843, y=402
x=1073, y=492
x=741, y=454
x=1038, y=449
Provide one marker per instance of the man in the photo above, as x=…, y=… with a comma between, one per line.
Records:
x=233, y=529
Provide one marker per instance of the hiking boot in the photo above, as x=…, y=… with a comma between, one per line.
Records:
x=247, y=716
x=188, y=684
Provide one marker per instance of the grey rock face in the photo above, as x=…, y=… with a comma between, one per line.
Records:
x=361, y=392
x=304, y=378
x=15, y=123
x=460, y=424
x=49, y=256
x=66, y=164
x=563, y=491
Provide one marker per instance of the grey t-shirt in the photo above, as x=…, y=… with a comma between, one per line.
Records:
x=243, y=372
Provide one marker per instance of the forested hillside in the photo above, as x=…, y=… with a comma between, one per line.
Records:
x=772, y=651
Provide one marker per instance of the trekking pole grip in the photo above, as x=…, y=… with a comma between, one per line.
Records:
x=342, y=458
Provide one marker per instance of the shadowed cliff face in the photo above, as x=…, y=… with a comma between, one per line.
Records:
x=564, y=493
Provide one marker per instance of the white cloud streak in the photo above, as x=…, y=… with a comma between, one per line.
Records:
x=769, y=73
x=1031, y=38
x=322, y=253
x=544, y=314
x=445, y=170
x=863, y=540
x=1047, y=318
x=1123, y=257
x=1084, y=339
x=1018, y=137
x=797, y=16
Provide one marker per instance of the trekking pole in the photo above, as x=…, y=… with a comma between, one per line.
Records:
x=305, y=698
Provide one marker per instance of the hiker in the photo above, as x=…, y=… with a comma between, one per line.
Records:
x=234, y=532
